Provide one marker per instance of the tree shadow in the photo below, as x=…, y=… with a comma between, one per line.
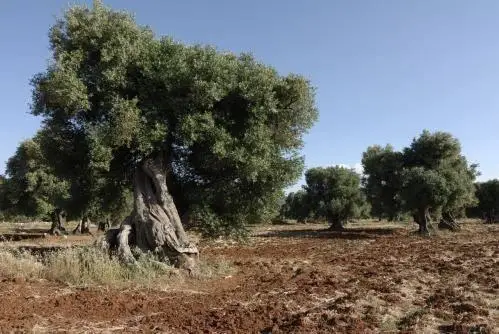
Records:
x=31, y=230
x=349, y=234
x=20, y=236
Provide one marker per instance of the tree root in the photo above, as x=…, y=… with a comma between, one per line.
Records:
x=450, y=225
x=154, y=225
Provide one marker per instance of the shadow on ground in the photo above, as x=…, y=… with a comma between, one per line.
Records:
x=351, y=234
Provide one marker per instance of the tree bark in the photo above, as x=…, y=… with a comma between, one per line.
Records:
x=335, y=224
x=491, y=217
x=83, y=226
x=58, y=221
x=104, y=225
x=448, y=222
x=423, y=219
x=154, y=225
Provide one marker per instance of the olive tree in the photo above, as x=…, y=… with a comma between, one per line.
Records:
x=487, y=194
x=193, y=131
x=430, y=179
x=382, y=167
x=438, y=182
x=31, y=188
x=296, y=206
x=334, y=193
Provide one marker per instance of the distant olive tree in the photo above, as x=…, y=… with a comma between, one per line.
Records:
x=335, y=194
x=487, y=207
x=30, y=187
x=297, y=206
x=431, y=180
x=382, y=181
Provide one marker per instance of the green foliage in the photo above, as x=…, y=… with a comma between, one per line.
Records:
x=487, y=194
x=31, y=188
x=334, y=193
x=382, y=166
x=296, y=206
x=430, y=176
x=423, y=188
x=212, y=225
x=3, y=198
x=229, y=128
x=437, y=176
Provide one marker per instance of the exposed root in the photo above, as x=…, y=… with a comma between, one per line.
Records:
x=154, y=225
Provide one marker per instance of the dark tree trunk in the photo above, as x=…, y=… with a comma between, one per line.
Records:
x=83, y=226
x=104, y=225
x=335, y=224
x=154, y=225
x=423, y=219
x=491, y=217
x=58, y=221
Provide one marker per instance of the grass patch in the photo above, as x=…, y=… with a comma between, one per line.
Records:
x=411, y=319
x=15, y=263
x=88, y=265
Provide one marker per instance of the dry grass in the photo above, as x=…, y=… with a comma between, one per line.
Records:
x=89, y=266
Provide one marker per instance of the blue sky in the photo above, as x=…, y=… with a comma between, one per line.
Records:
x=384, y=70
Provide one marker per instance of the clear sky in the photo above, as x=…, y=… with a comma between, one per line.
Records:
x=384, y=69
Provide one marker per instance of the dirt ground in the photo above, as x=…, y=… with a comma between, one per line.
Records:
x=292, y=279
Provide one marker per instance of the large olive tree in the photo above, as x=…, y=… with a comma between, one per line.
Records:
x=213, y=135
x=438, y=182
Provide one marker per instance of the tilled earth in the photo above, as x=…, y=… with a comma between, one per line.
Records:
x=293, y=279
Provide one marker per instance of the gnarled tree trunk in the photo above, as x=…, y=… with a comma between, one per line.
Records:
x=58, y=221
x=104, y=225
x=423, y=219
x=83, y=226
x=335, y=224
x=491, y=217
x=154, y=225
x=448, y=222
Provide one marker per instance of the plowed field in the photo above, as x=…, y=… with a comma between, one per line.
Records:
x=292, y=279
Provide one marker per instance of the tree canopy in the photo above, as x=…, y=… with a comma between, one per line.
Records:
x=487, y=194
x=334, y=193
x=297, y=206
x=31, y=188
x=382, y=166
x=430, y=179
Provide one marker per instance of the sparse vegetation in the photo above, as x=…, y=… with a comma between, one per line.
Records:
x=89, y=266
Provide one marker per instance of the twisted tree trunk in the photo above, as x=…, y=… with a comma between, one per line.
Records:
x=448, y=222
x=104, y=225
x=154, y=225
x=58, y=221
x=423, y=219
x=335, y=224
x=83, y=226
